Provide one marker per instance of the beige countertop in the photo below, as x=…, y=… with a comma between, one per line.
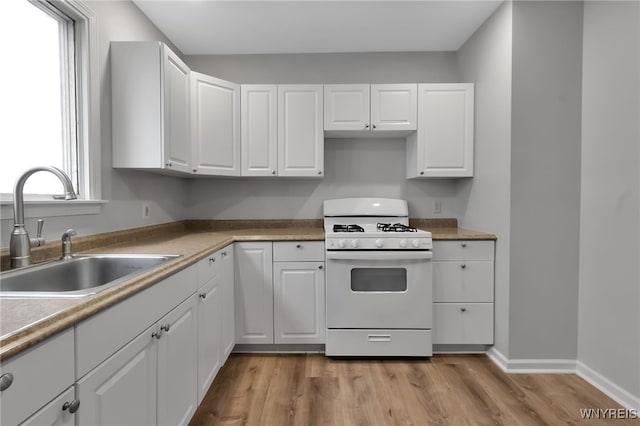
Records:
x=25, y=322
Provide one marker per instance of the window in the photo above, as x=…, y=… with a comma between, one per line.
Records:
x=47, y=100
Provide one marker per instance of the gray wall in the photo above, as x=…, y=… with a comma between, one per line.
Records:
x=485, y=59
x=353, y=167
x=545, y=179
x=609, y=313
x=124, y=190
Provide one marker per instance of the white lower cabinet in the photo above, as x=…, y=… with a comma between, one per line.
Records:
x=299, y=310
x=216, y=322
x=122, y=390
x=177, y=365
x=280, y=292
x=227, y=287
x=209, y=334
x=463, y=292
x=254, y=292
x=152, y=380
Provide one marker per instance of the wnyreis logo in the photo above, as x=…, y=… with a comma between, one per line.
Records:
x=608, y=413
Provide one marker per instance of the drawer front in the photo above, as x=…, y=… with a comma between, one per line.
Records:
x=463, y=281
x=463, y=323
x=298, y=251
x=208, y=268
x=104, y=333
x=462, y=250
x=39, y=375
x=378, y=343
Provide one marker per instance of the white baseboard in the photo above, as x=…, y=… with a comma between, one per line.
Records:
x=606, y=386
x=532, y=366
x=564, y=366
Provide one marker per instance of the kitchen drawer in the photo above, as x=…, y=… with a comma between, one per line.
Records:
x=463, y=281
x=462, y=250
x=378, y=343
x=39, y=374
x=298, y=251
x=208, y=268
x=104, y=333
x=463, y=323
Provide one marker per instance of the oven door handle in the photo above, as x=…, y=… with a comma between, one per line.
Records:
x=379, y=255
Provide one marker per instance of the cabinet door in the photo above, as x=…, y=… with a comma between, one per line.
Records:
x=227, y=280
x=254, y=292
x=177, y=143
x=300, y=134
x=259, y=130
x=52, y=414
x=394, y=107
x=298, y=293
x=122, y=390
x=445, y=130
x=346, y=107
x=209, y=335
x=177, y=365
x=215, y=121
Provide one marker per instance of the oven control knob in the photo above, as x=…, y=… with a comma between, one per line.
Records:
x=379, y=243
x=402, y=243
x=354, y=243
x=342, y=243
x=415, y=243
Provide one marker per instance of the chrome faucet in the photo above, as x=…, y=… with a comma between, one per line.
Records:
x=66, y=244
x=20, y=244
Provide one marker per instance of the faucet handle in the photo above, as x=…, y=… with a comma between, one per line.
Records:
x=40, y=226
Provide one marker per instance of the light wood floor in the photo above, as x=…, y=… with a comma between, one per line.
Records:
x=280, y=390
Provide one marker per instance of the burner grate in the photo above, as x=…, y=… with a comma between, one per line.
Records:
x=396, y=227
x=348, y=228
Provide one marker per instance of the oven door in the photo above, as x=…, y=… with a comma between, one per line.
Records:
x=379, y=289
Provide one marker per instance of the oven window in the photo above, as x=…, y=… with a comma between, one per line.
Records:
x=379, y=279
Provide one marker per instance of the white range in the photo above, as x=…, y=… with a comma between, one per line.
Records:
x=379, y=283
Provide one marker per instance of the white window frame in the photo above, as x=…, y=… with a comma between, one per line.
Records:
x=87, y=130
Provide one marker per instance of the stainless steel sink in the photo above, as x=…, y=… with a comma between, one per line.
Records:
x=78, y=277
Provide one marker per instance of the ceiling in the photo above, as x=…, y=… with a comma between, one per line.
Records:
x=215, y=27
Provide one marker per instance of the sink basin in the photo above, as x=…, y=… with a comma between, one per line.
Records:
x=78, y=277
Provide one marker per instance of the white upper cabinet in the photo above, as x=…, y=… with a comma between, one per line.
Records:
x=443, y=144
x=259, y=130
x=394, y=107
x=300, y=130
x=150, y=107
x=215, y=126
x=372, y=108
x=346, y=107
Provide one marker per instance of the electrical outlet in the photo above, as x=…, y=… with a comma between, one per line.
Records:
x=437, y=206
x=146, y=209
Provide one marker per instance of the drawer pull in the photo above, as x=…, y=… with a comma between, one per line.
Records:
x=157, y=334
x=298, y=245
x=463, y=309
x=166, y=327
x=464, y=245
x=5, y=381
x=71, y=406
x=212, y=259
x=202, y=296
x=379, y=337
x=224, y=253
x=320, y=267
x=463, y=266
